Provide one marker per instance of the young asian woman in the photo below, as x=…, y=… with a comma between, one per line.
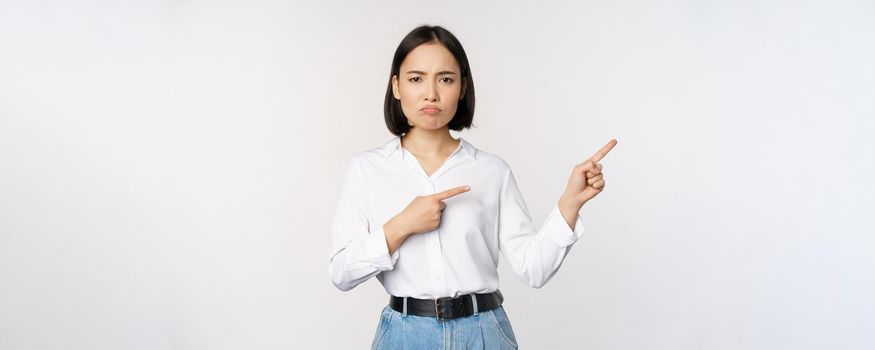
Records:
x=429, y=214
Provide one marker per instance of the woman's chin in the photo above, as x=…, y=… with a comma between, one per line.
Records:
x=431, y=124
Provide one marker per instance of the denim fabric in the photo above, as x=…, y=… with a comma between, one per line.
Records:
x=485, y=330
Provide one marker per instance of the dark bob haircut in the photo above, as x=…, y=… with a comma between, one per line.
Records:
x=395, y=119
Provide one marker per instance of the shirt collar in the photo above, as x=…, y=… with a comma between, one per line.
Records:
x=395, y=145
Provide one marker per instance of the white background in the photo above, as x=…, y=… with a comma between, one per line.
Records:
x=169, y=169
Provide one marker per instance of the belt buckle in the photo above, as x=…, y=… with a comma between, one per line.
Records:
x=437, y=309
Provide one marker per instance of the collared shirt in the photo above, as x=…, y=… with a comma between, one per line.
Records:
x=461, y=255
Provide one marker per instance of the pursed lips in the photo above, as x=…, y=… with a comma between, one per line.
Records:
x=430, y=109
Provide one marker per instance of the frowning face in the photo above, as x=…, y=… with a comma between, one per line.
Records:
x=429, y=86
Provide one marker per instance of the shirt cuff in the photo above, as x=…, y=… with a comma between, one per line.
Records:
x=378, y=251
x=559, y=231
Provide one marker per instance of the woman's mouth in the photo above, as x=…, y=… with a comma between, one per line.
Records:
x=430, y=110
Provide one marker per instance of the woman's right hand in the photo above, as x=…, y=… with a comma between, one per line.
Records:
x=423, y=214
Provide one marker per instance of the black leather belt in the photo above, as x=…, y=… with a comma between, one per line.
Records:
x=448, y=308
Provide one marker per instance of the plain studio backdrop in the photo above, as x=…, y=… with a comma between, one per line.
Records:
x=169, y=169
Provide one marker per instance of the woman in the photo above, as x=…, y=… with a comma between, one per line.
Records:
x=428, y=214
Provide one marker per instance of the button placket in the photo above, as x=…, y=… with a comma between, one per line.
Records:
x=435, y=252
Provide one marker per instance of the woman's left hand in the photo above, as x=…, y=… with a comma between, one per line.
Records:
x=587, y=179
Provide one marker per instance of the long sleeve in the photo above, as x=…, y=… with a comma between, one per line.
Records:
x=534, y=255
x=355, y=253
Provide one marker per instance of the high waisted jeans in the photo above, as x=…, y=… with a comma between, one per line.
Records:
x=485, y=330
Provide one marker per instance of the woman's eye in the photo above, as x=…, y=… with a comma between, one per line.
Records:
x=414, y=79
x=448, y=80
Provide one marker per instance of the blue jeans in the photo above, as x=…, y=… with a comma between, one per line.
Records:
x=485, y=330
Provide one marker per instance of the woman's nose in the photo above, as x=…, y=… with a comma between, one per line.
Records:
x=432, y=93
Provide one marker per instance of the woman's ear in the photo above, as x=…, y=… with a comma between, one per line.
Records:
x=395, y=87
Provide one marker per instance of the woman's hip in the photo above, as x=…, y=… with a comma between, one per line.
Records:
x=485, y=330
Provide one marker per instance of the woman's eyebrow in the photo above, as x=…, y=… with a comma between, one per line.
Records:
x=443, y=72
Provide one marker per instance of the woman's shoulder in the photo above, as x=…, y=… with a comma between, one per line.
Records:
x=374, y=154
x=364, y=158
x=491, y=159
x=485, y=157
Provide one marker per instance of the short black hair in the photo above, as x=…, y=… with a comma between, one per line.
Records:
x=395, y=119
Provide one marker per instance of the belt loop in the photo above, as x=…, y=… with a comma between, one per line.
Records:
x=474, y=302
x=405, y=306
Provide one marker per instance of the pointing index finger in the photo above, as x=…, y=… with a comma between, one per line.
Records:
x=451, y=192
x=604, y=151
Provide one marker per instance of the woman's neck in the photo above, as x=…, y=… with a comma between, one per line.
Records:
x=429, y=143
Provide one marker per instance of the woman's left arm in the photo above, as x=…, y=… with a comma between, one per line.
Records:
x=535, y=254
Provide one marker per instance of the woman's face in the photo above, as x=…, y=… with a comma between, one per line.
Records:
x=429, y=86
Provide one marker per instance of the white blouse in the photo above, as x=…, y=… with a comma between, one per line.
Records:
x=461, y=255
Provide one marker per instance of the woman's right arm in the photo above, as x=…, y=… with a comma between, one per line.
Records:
x=355, y=254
